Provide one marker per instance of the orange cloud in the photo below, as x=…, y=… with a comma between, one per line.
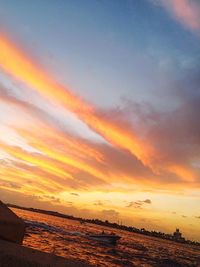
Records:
x=22, y=181
x=76, y=145
x=60, y=147
x=76, y=154
x=36, y=159
x=108, y=170
x=187, y=174
x=63, y=157
x=33, y=75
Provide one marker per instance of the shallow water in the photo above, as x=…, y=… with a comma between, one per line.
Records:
x=66, y=238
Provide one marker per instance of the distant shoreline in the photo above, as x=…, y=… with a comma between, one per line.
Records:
x=108, y=224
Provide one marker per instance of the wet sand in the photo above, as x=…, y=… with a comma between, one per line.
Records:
x=14, y=255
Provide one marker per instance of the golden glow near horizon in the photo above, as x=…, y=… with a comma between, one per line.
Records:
x=124, y=178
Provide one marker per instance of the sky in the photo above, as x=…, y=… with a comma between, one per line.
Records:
x=99, y=110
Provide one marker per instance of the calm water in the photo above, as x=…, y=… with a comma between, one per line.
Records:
x=66, y=238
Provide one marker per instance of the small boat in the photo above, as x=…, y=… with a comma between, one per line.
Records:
x=104, y=238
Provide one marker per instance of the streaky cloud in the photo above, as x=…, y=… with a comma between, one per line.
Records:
x=187, y=12
x=33, y=75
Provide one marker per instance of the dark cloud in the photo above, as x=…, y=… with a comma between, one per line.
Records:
x=52, y=198
x=174, y=133
x=148, y=201
x=138, y=204
x=74, y=194
x=134, y=204
x=98, y=203
x=184, y=216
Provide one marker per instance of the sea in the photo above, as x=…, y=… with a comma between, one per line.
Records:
x=67, y=238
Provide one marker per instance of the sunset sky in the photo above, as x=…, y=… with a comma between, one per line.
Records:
x=99, y=110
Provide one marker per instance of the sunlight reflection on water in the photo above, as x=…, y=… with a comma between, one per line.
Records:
x=66, y=238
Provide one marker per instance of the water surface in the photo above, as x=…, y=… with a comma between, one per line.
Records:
x=66, y=238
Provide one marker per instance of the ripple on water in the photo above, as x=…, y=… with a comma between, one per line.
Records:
x=66, y=238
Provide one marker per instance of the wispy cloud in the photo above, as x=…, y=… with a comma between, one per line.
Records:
x=74, y=194
x=34, y=76
x=64, y=155
x=98, y=203
x=187, y=12
x=138, y=204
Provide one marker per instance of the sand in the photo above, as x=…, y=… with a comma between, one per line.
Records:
x=14, y=255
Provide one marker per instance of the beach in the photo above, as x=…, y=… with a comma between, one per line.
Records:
x=14, y=255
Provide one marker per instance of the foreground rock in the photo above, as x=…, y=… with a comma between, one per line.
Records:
x=12, y=228
x=14, y=255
